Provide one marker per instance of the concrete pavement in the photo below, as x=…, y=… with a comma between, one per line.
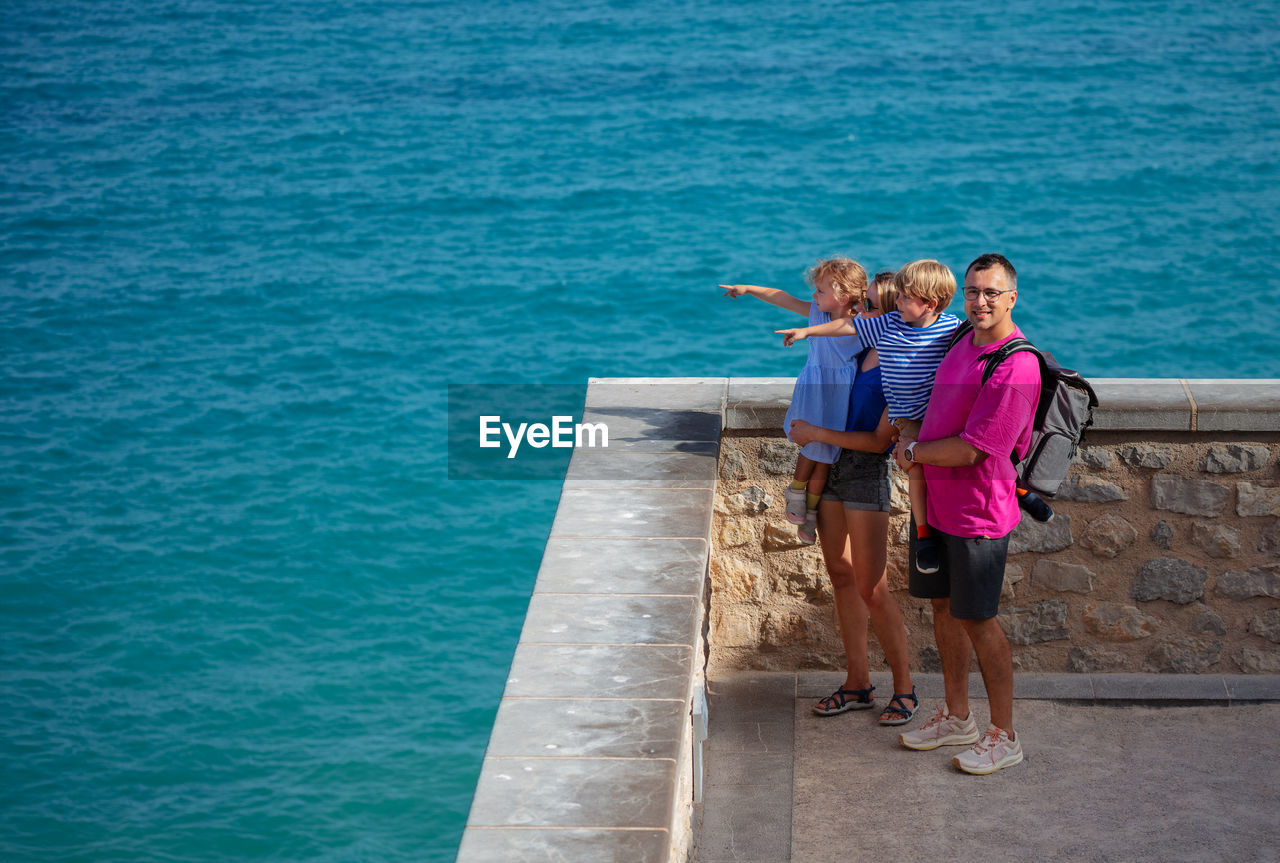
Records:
x=1117, y=768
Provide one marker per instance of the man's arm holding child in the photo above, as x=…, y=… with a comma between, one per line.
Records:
x=838, y=327
x=773, y=296
x=947, y=452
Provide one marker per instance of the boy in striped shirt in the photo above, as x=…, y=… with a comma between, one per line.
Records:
x=911, y=342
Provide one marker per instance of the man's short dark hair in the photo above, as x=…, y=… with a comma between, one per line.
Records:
x=991, y=260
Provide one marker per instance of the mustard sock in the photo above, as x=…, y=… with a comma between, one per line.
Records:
x=799, y=484
x=922, y=531
x=811, y=501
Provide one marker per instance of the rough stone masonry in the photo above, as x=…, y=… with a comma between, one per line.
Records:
x=1164, y=556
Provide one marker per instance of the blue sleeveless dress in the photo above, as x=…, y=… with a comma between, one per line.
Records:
x=822, y=388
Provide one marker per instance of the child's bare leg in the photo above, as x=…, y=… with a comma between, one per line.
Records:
x=803, y=471
x=817, y=482
x=919, y=498
x=807, y=532
x=910, y=431
x=797, y=505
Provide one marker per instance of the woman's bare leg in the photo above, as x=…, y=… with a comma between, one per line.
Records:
x=851, y=611
x=869, y=534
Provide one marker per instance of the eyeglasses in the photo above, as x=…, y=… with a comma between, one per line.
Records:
x=868, y=305
x=991, y=294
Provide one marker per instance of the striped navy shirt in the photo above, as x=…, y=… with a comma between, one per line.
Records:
x=909, y=356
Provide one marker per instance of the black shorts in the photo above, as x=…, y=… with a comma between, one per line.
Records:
x=859, y=480
x=971, y=574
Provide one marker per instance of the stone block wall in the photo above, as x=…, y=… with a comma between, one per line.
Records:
x=1164, y=556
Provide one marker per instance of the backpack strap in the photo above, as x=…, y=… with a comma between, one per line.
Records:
x=965, y=327
x=1008, y=349
x=996, y=357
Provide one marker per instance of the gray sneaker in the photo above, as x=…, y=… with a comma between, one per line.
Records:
x=942, y=729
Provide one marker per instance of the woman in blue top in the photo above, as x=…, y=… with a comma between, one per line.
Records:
x=853, y=523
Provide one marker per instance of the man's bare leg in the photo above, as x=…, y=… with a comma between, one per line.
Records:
x=995, y=659
x=955, y=650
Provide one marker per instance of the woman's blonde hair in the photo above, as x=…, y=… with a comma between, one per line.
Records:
x=927, y=280
x=848, y=278
x=886, y=291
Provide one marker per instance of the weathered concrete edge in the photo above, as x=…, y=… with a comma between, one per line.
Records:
x=688, y=410
x=602, y=660
x=1125, y=404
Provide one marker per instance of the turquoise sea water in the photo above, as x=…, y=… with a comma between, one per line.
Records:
x=245, y=246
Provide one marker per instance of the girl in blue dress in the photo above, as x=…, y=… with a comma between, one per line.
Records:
x=821, y=395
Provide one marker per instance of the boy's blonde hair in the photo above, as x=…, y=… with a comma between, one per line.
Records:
x=848, y=278
x=886, y=291
x=927, y=280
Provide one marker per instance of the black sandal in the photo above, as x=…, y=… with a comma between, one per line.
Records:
x=839, y=702
x=899, y=707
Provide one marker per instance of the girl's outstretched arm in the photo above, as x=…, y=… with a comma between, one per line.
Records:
x=770, y=295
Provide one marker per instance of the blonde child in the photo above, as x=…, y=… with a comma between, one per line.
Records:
x=821, y=394
x=911, y=342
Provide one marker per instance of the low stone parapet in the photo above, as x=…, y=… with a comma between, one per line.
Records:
x=1163, y=556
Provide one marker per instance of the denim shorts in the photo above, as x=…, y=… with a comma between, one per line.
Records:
x=859, y=480
x=971, y=574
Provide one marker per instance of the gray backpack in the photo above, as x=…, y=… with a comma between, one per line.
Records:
x=1063, y=415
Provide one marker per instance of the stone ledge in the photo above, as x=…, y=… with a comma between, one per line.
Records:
x=645, y=409
x=603, y=469
x=488, y=845
x=1245, y=688
x=578, y=565
x=1125, y=404
x=574, y=792
x=587, y=728
x=634, y=512
x=1177, y=688
x=580, y=619
x=1141, y=404
x=600, y=671
x=595, y=750
x=757, y=403
x=1236, y=405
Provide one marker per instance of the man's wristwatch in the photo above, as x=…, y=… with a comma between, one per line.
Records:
x=910, y=452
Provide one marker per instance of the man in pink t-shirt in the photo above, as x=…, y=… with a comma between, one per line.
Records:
x=969, y=431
